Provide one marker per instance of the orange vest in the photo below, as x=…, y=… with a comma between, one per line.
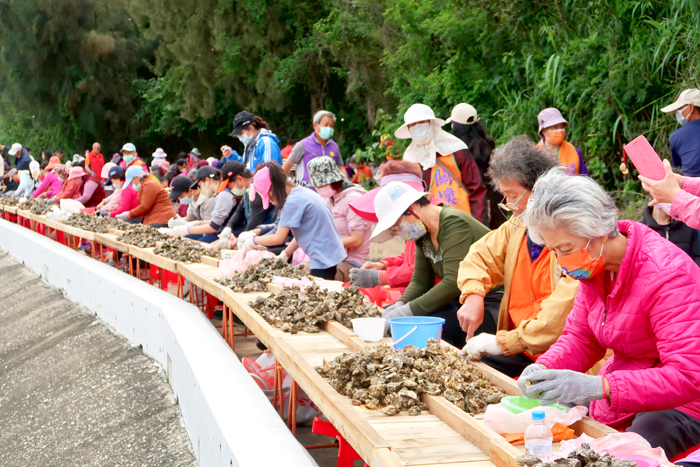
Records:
x=531, y=285
x=443, y=184
x=567, y=157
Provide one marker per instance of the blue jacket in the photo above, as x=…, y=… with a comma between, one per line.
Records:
x=22, y=160
x=264, y=148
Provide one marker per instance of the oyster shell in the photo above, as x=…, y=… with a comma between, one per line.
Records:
x=382, y=378
x=257, y=276
x=184, y=250
x=142, y=236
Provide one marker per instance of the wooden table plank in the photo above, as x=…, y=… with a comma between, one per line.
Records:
x=110, y=241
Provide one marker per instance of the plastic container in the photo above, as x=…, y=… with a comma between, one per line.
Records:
x=369, y=329
x=428, y=327
x=519, y=404
x=538, y=437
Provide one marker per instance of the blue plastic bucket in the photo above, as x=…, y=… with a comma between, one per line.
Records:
x=428, y=327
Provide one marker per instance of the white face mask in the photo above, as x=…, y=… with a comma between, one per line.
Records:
x=680, y=118
x=420, y=132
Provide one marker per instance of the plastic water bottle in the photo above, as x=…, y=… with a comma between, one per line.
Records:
x=538, y=437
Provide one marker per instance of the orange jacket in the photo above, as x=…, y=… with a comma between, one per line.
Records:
x=154, y=205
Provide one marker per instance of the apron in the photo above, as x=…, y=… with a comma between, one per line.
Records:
x=567, y=157
x=443, y=184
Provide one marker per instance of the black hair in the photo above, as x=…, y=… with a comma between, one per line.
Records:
x=119, y=176
x=44, y=165
x=259, y=123
x=181, y=162
x=422, y=201
x=337, y=186
x=46, y=154
x=479, y=143
x=280, y=182
x=291, y=141
x=79, y=164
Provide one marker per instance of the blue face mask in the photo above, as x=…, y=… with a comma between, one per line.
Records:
x=245, y=139
x=326, y=132
x=136, y=187
x=186, y=200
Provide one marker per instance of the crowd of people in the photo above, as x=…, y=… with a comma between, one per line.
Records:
x=521, y=253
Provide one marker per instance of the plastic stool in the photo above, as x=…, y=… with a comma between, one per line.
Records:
x=346, y=454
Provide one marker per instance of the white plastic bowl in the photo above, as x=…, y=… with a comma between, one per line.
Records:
x=369, y=329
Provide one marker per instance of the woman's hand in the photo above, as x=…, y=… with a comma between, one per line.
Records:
x=483, y=344
x=471, y=314
x=374, y=265
x=552, y=386
x=664, y=190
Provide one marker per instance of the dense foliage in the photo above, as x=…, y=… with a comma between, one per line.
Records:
x=173, y=74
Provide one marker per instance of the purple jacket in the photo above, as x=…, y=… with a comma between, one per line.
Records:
x=650, y=320
x=313, y=149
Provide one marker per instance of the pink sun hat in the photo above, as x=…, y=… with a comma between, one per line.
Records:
x=262, y=185
x=364, y=205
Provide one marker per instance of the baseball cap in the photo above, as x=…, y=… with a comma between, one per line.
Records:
x=390, y=204
x=131, y=172
x=196, y=152
x=179, y=185
x=240, y=121
x=203, y=172
x=112, y=172
x=228, y=172
x=464, y=114
x=15, y=149
x=689, y=96
x=129, y=147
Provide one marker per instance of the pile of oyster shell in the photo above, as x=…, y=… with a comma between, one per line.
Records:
x=117, y=224
x=182, y=249
x=9, y=200
x=257, y=276
x=36, y=206
x=87, y=222
x=142, y=236
x=293, y=310
x=582, y=456
x=383, y=378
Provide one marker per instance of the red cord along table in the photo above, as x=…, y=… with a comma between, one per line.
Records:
x=444, y=436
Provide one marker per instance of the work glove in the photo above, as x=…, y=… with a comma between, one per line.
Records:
x=244, y=236
x=123, y=216
x=365, y=278
x=179, y=231
x=226, y=233
x=565, y=386
x=175, y=221
x=480, y=345
x=283, y=256
x=222, y=243
x=397, y=310
x=524, y=379
x=247, y=245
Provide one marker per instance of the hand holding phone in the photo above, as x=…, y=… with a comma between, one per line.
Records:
x=646, y=160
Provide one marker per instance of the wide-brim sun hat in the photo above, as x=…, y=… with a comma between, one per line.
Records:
x=390, y=204
x=550, y=117
x=76, y=172
x=159, y=154
x=323, y=171
x=363, y=206
x=416, y=113
x=464, y=114
x=689, y=96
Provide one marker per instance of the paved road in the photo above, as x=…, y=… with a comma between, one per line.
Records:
x=73, y=393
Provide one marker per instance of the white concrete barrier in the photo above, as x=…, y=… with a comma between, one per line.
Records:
x=227, y=417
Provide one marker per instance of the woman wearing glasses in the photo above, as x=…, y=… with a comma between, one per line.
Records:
x=537, y=298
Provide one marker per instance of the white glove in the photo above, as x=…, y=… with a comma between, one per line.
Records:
x=480, y=345
x=193, y=223
x=248, y=245
x=243, y=237
x=123, y=216
x=175, y=221
x=283, y=256
x=221, y=244
x=225, y=234
x=179, y=231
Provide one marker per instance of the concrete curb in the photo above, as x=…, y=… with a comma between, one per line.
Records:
x=228, y=419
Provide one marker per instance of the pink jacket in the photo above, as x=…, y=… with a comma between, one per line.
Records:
x=129, y=200
x=686, y=204
x=51, y=185
x=113, y=201
x=346, y=221
x=651, y=320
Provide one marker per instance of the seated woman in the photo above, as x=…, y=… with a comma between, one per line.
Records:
x=338, y=193
x=71, y=187
x=154, y=206
x=537, y=299
x=51, y=184
x=302, y=212
x=234, y=176
x=114, y=178
x=129, y=196
x=91, y=192
x=639, y=295
x=443, y=236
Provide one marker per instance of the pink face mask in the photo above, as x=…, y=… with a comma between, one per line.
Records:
x=325, y=191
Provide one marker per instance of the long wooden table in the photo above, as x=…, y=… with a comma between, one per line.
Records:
x=445, y=435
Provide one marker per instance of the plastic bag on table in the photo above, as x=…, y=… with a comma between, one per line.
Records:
x=254, y=256
x=616, y=443
x=302, y=283
x=503, y=421
x=299, y=257
x=72, y=206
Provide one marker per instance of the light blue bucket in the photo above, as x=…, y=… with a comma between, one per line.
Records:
x=427, y=327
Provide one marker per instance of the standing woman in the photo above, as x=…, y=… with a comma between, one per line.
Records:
x=305, y=214
x=338, y=193
x=467, y=126
x=261, y=145
x=639, y=295
x=553, y=131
